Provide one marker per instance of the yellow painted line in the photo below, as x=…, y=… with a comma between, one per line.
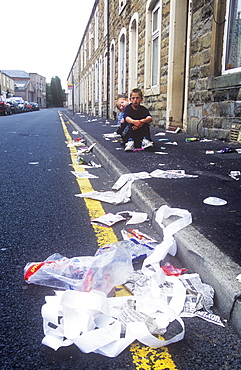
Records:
x=144, y=358
x=104, y=235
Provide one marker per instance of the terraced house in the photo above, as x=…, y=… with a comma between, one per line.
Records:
x=184, y=54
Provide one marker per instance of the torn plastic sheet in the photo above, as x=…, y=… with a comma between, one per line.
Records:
x=121, y=196
x=137, y=249
x=84, y=175
x=108, y=219
x=111, y=266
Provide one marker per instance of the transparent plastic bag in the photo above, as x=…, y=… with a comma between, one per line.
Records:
x=108, y=268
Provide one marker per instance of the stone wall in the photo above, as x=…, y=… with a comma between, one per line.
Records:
x=214, y=101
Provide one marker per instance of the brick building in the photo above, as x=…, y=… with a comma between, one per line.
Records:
x=184, y=54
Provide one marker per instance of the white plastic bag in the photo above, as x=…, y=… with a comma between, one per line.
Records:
x=111, y=266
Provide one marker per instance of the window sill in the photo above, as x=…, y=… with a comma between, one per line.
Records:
x=225, y=81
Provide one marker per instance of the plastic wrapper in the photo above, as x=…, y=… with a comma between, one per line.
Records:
x=171, y=270
x=111, y=266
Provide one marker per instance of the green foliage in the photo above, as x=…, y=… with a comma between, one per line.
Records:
x=55, y=95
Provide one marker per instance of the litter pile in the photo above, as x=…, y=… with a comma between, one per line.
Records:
x=84, y=310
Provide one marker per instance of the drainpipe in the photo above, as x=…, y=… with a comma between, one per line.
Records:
x=108, y=59
x=73, y=90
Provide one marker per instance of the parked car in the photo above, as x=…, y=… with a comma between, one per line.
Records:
x=27, y=107
x=13, y=105
x=35, y=106
x=4, y=106
x=20, y=103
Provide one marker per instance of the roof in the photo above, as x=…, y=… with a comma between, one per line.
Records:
x=15, y=73
x=21, y=85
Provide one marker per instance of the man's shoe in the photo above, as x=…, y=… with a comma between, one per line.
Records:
x=130, y=146
x=146, y=143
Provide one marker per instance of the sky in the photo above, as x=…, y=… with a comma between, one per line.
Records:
x=43, y=36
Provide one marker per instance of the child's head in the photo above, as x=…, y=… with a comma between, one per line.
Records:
x=121, y=103
x=136, y=97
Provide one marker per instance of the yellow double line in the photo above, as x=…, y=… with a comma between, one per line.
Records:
x=144, y=358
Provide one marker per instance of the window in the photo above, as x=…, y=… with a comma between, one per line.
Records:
x=155, y=45
x=232, y=37
x=105, y=74
x=96, y=28
x=152, y=47
x=122, y=62
x=96, y=81
x=133, y=51
x=105, y=17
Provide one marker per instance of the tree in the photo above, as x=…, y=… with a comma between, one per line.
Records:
x=55, y=93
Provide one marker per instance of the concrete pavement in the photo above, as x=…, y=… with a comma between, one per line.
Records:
x=197, y=251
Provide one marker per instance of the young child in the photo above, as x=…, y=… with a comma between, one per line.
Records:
x=137, y=131
x=121, y=103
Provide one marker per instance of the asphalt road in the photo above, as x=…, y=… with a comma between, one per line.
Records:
x=40, y=216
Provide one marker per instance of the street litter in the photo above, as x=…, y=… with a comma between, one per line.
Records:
x=209, y=151
x=80, y=160
x=86, y=149
x=75, y=132
x=214, y=201
x=178, y=129
x=123, y=179
x=170, y=174
x=239, y=278
x=90, y=164
x=190, y=139
x=112, y=135
x=170, y=270
x=135, y=217
x=137, y=235
x=226, y=150
x=160, y=134
x=33, y=163
x=121, y=196
x=83, y=314
x=123, y=185
x=109, y=219
x=235, y=175
x=84, y=175
x=110, y=266
x=76, y=142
